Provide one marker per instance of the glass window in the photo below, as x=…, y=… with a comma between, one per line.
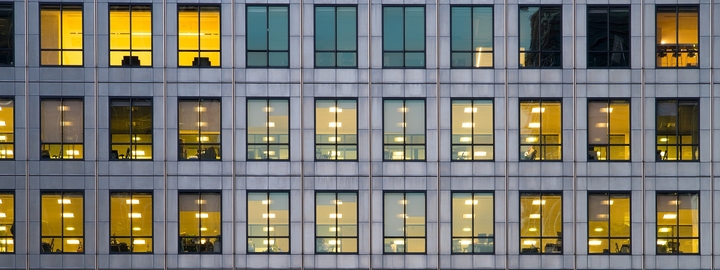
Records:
x=7, y=128
x=473, y=222
x=268, y=36
x=472, y=130
x=336, y=129
x=268, y=222
x=131, y=222
x=541, y=223
x=335, y=36
x=404, y=129
x=609, y=223
x=471, y=37
x=268, y=129
x=608, y=36
x=678, y=219
x=7, y=35
x=62, y=222
x=199, y=36
x=540, y=36
x=130, y=35
x=7, y=222
x=199, y=129
x=678, y=130
x=609, y=130
x=540, y=130
x=403, y=36
x=61, y=126
x=404, y=222
x=200, y=222
x=61, y=35
x=677, y=36
x=336, y=222
x=131, y=126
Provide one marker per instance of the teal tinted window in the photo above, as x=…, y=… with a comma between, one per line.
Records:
x=335, y=36
x=403, y=37
x=471, y=37
x=268, y=36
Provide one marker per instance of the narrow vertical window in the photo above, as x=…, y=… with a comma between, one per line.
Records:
x=678, y=130
x=200, y=222
x=61, y=35
x=131, y=222
x=473, y=223
x=61, y=128
x=199, y=36
x=336, y=129
x=199, y=129
x=404, y=222
x=403, y=36
x=540, y=130
x=608, y=130
x=471, y=37
x=63, y=222
x=7, y=35
x=268, y=216
x=608, y=36
x=130, y=35
x=677, y=36
x=131, y=129
x=541, y=36
x=7, y=128
x=609, y=223
x=678, y=223
x=268, y=129
x=541, y=223
x=404, y=129
x=472, y=130
x=268, y=36
x=7, y=222
x=336, y=223
x=335, y=36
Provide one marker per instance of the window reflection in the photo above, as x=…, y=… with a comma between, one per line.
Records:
x=61, y=35
x=473, y=223
x=268, y=36
x=608, y=36
x=609, y=130
x=7, y=35
x=61, y=124
x=62, y=222
x=403, y=36
x=199, y=129
x=336, y=129
x=200, y=222
x=7, y=222
x=336, y=222
x=678, y=219
x=199, y=36
x=540, y=36
x=404, y=222
x=609, y=223
x=335, y=36
x=131, y=129
x=131, y=222
x=404, y=129
x=540, y=130
x=7, y=128
x=472, y=130
x=678, y=130
x=541, y=223
x=268, y=222
x=471, y=37
x=677, y=36
x=130, y=35
x=268, y=129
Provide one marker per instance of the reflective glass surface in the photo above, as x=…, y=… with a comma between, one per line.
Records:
x=609, y=130
x=63, y=222
x=199, y=129
x=200, y=222
x=61, y=35
x=404, y=129
x=131, y=222
x=541, y=223
x=609, y=223
x=268, y=216
x=678, y=227
x=404, y=222
x=61, y=129
x=678, y=130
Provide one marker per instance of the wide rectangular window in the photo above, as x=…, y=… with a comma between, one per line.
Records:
x=540, y=130
x=336, y=222
x=541, y=36
x=62, y=221
x=198, y=36
x=678, y=130
x=608, y=36
x=541, y=223
x=7, y=128
x=131, y=222
x=131, y=126
x=677, y=36
x=268, y=216
x=473, y=224
x=268, y=36
x=471, y=36
x=608, y=130
x=404, y=129
x=61, y=34
x=7, y=35
x=199, y=129
x=61, y=128
x=268, y=127
x=336, y=129
x=609, y=223
x=335, y=36
x=404, y=222
x=403, y=36
x=678, y=223
x=200, y=222
x=7, y=222
x=130, y=35
x=472, y=130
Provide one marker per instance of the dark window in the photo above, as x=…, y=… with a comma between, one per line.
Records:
x=62, y=222
x=471, y=37
x=268, y=221
x=199, y=223
x=335, y=36
x=608, y=36
x=541, y=223
x=7, y=35
x=336, y=222
x=7, y=128
x=336, y=129
x=403, y=36
x=61, y=128
x=608, y=130
x=473, y=222
x=540, y=36
x=199, y=36
x=540, y=130
x=268, y=36
x=472, y=130
x=131, y=35
x=609, y=223
x=61, y=35
x=404, y=129
x=7, y=222
x=131, y=130
x=404, y=222
x=199, y=129
x=678, y=130
x=677, y=36
x=131, y=222
x=268, y=127
x=678, y=223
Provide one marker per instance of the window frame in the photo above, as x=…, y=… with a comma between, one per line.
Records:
x=199, y=194
x=608, y=195
x=336, y=144
x=130, y=5
x=267, y=210
x=540, y=51
x=539, y=144
x=199, y=101
x=404, y=144
x=131, y=100
x=61, y=50
x=315, y=50
x=12, y=144
x=472, y=228
x=608, y=146
x=11, y=35
x=267, y=38
x=267, y=128
x=472, y=136
x=129, y=194
x=608, y=51
x=62, y=236
x=658, y=51
x=677, y=133
x=405, y=237
x=404, y=51
x=678, y=193
x=357, y=213
x=11, y=192
x=62, y=115
x=541, y=194
x=199, y=50
x=492, y=33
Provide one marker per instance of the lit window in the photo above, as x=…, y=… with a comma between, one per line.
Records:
x=678, y=223
x=404, y=129
x=472, y=130
x=7, y=222
x=473, y=224
x=200, y=222
x=199, y=129
x=541, y=36
x=7, y=35
x=131, y=129
x=7, y=128
x=541, y=223
x=61, y=128
x=268, y=36
x=131, y=222
x=268, y=129
x=608, y=130
x=609, y=223
x=677, y=36
x=63, y=223
x=403, y=36
x=336, y=223
x=130, y=35
x=608, y=36
x=336, y=129
x=471, y=37
x=61, y=35
x=335, y=36
x=678, y=130
x=268, y=216
x=199, y=36
x=404, y=222
x=540, y=130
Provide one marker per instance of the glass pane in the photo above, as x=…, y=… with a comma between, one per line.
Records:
x=347, y=204
x=120, y=34
x=346, y=59
x=279, y=214
x=415, y=245
x=211, y=59
x=7, y=242
x=688, y=25
x=278, y=59
x=415, y=28
x=482, y=114
x=482, y=25
x=209, y=28
x=347, y=28
x=393, y=29
x=550, y=36
x=484, y=215
x=279, y=120
x=278, y=24
x=666, y=23
x=483, y=152
x=257, y=59
x=415, y=59
x=72, y=27
x=6, y=30
x=324, y=59
x=598, y=114
x=414, y=111
x=528, y=28
x=188, y=28
x=462, y=121
x=462, y=216
x=256, y=28
x=394, y=121
x=325, y=28
x=394, y=215
x=415, y=214
x=210, y=213
x=461, y=32
x=530, y=217
x=141, y=28
x=462, y=152
x=461, y=59
x=393, y=59
x=551, y=215
x=325, y=210
x=597, y=35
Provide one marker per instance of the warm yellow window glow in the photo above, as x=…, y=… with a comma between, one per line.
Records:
x=62, y=222
x=198, y=36
x=61, y=35
x=130, y=35
x=677, y=36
